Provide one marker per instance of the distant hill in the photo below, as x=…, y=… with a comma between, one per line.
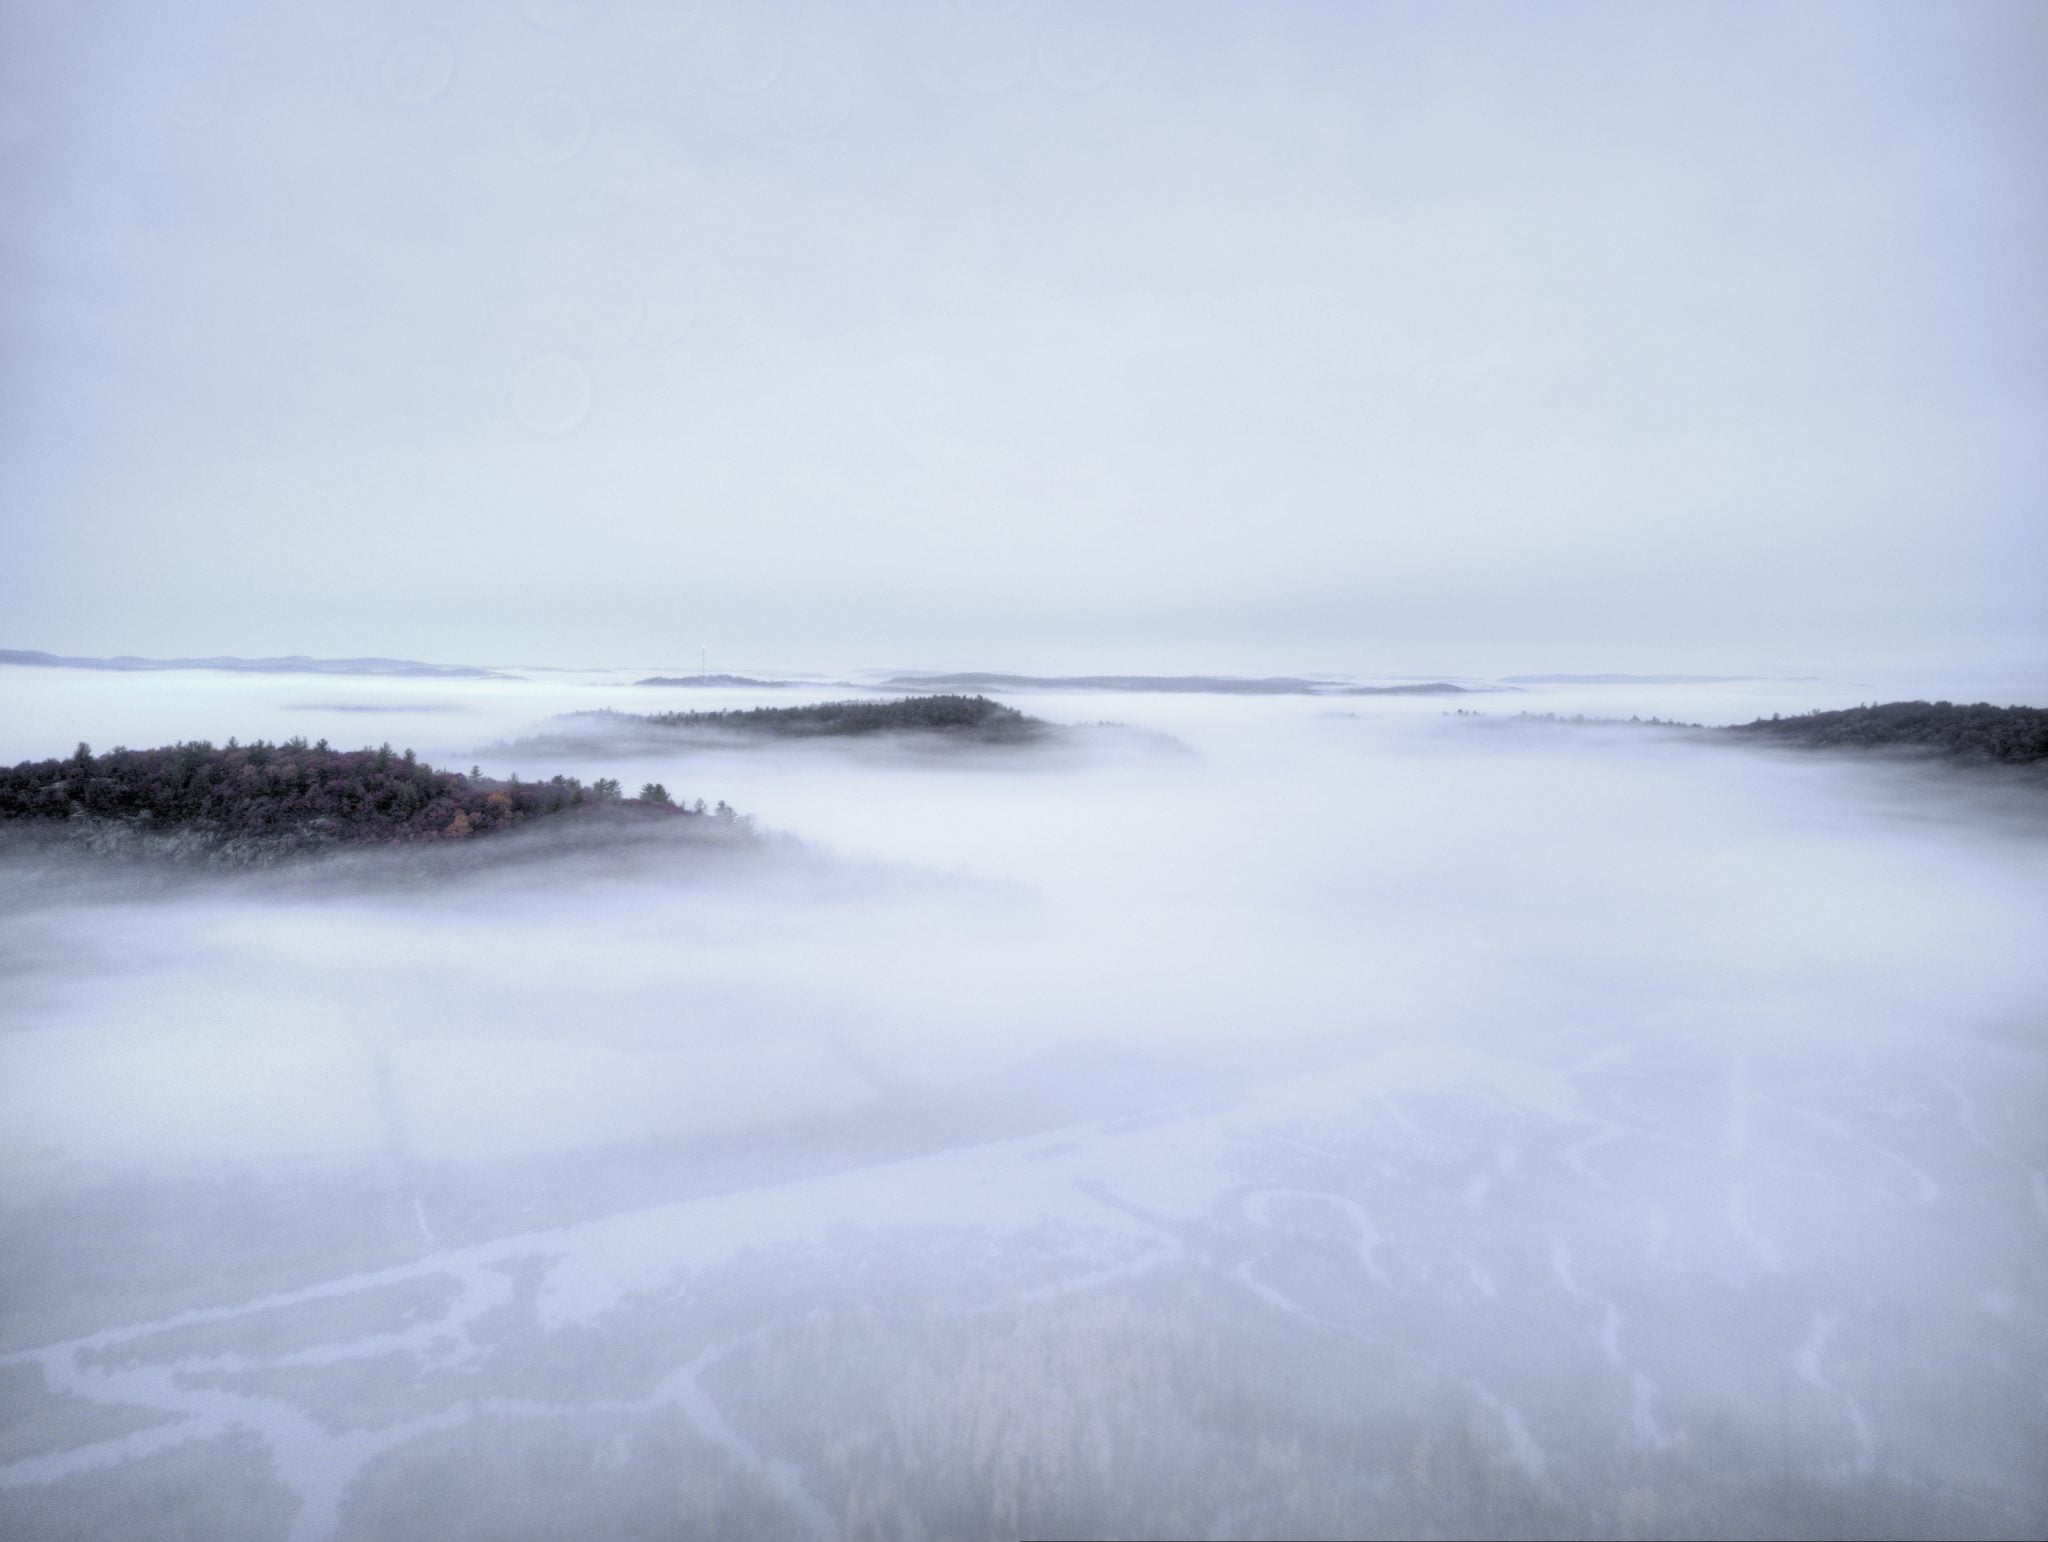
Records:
x=746, y=680
x=296, y=664
x=970, y=725
x=1978, y=732
x=931, y=720
x=255, y=804
x=970, y=719
x=1629, y=679
x=1213, y=685
x=1433, y=688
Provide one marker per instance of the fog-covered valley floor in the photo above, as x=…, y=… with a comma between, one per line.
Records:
x=1345, y=1119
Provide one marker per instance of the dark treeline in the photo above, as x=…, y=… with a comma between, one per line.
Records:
x=1976, y=732
x=259, y=802
x=965, y=717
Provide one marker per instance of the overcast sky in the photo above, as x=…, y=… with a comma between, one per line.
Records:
x=1426, y=337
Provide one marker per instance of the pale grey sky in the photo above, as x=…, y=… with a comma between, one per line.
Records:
x=1340, y=336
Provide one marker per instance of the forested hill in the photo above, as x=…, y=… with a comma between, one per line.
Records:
x=1979, y=732
x=258, y=802
x=973, y=718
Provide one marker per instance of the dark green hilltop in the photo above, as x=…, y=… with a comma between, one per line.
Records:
x=259, y=803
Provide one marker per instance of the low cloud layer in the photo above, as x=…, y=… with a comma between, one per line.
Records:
x=1372, y=1120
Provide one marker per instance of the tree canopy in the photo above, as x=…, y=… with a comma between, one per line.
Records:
x=1976, y=732
x=967, y=717
x=261, y=801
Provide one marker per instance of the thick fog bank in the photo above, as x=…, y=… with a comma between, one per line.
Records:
x=1372, y=1122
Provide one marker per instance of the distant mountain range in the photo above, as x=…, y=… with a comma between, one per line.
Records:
x=1635, y=679
x=972, y=680
x=296, y=664
x=1215, y=685
x=746, y=680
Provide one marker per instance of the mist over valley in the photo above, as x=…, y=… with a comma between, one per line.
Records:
x=1497, y=1125
x=907, y=772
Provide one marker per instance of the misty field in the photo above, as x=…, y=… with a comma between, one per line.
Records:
x=1284, y=1117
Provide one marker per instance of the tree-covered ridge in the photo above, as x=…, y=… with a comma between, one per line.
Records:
x=966, y=717
x=1976, y=732
x=260, y=800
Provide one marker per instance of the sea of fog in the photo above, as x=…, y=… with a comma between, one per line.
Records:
x=1299, y=1117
